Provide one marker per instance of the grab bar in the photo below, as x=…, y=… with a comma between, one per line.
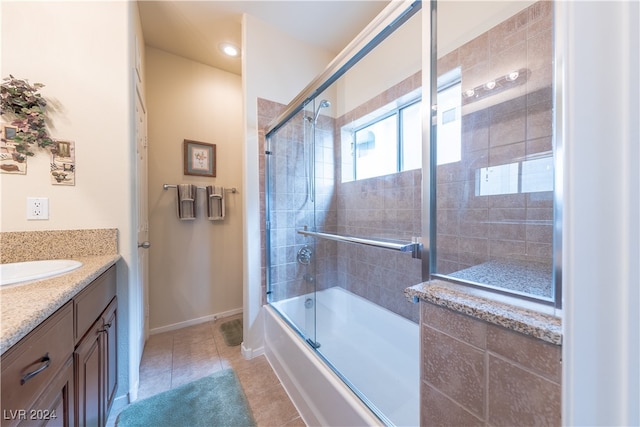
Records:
x=396, y=245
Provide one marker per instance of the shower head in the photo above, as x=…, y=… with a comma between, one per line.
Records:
x=323, y=104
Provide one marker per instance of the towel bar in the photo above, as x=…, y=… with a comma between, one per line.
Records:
x=413, y=247
x=229, y=190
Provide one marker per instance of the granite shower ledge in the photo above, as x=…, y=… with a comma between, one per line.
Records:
x=538, y=325
x=24, y=307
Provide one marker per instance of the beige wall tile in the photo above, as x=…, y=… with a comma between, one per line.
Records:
x=475, y=131
x=508, y=380
x=506, y=154
x=541, y=251
x=507, y=128
x=474, y=51
x=520, y=398
x=455, y=324
x=507, y=248
x=439, y=410
x=539, y=356
x=454, y=368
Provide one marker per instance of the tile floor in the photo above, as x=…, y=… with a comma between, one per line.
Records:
x=177, y=357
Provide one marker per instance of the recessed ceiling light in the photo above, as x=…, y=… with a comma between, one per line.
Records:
x=229, y=49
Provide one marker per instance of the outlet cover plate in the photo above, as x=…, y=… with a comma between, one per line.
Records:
x=37, y=208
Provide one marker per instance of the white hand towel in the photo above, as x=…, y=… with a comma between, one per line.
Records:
x=187, y=201
x=215, y=203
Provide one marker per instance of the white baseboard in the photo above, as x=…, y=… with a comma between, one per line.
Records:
x=192, y=322
x=250, y=353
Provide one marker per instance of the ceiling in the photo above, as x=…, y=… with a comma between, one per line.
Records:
x=195, y=29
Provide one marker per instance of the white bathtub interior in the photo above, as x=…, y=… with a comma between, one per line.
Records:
x=375, y=350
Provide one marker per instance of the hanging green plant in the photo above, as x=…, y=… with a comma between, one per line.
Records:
x=21, y=99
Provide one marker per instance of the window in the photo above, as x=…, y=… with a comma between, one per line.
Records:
x=528, y=176
x=449, y=118
x=386, y=142
x=376, y=148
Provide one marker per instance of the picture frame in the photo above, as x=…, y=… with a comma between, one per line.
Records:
x=199, y=158
x=63, y=162
x=11, y=161
x=9, y=133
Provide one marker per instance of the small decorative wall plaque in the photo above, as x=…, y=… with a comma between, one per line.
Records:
x=11, y=161
x=63, y=163
x=199, y=158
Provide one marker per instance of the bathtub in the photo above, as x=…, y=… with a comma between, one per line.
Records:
x=374, y=349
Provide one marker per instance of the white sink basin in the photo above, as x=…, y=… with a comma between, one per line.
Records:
x=19, y=272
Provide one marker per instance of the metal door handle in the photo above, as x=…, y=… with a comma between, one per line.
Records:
x=144, y=245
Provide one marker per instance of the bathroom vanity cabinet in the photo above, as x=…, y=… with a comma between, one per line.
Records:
x=37, y=374
x=64, y=372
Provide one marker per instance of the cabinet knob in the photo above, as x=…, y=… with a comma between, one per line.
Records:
x=144, y=245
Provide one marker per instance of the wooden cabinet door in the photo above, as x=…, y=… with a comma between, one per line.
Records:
x=56, y=406
x=89, y=377
x=110, y=340
x=29, y=366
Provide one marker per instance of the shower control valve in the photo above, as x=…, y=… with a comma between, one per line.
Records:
x=304, y=255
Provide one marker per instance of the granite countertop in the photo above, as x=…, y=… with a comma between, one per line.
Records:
x=455, y=297
x=533, y=278
x=24, y=307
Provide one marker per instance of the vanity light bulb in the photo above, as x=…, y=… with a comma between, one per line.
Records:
x=512, y=76
x=490, y=85
x=469, y=93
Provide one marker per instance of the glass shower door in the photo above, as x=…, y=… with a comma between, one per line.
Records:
x=291, y=260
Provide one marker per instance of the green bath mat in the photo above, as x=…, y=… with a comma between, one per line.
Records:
x=216, y=400
x=232, y=332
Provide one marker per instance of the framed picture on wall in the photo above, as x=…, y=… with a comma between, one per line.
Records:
x=199, y=158
x=63, y=163
x=11, y=161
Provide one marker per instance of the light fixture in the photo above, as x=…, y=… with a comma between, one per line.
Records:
x=229, y=49
x=514, y=78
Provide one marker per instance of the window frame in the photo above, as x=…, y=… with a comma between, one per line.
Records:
x=396, y=111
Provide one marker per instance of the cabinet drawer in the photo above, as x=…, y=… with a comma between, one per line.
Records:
x=30, y=365
x=91, y=302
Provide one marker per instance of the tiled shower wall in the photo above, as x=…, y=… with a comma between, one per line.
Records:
x=474, y=373
x=387, y=207
x=473, y=229
x=291, y=207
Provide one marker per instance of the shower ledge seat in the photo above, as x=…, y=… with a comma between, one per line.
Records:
x=477, y=304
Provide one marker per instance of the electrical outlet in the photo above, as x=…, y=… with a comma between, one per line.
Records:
x=37, y=208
